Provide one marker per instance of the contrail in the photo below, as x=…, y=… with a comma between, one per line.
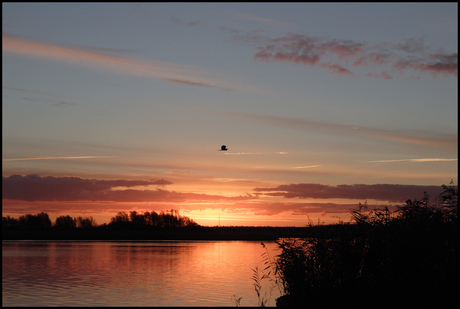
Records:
x=57, y=158
x=415, y=160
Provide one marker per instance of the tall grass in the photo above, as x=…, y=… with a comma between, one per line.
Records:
x=237, y=300
x=403, y=257
x=266, y=280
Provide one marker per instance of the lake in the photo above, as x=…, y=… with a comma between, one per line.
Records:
x=160, y=273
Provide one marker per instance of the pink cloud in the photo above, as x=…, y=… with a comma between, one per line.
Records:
x=445, y=64
x=383, y=74
x=413, y=45
x=296, y=48
x=344, y=50
x=334, y=55
x=100, y=58
x=336, y=68
x=373, y=58
x=267, y=55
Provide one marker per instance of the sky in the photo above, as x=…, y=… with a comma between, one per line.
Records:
x=110, y=107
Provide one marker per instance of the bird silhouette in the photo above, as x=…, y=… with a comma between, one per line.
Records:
x=223, y=148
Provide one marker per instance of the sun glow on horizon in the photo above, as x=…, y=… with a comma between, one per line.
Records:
x=312, y=123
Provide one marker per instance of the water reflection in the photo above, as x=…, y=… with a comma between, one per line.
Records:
x=195, y=273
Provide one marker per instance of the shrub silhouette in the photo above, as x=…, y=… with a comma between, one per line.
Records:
x=405, y=257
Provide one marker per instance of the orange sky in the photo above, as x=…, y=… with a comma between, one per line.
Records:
x=119, y=107
x=206, y=200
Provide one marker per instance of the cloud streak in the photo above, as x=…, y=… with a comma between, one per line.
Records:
x=386, y=60
x=381, y=192
x=302, y=167
x=36, y=188
x=250, y=17
x=415, y=160
x=32, y=92
x=59, y=194
x=170, y=72
x=449, y=141
x=57, y=158
x=241, y=153
x=272, y=209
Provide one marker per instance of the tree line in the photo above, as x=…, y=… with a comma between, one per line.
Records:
x=163, y=219
x=122, y=220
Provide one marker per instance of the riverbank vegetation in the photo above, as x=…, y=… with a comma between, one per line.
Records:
x=123, y=226
x=122, y=220
x=165, y=225
x=407, y=257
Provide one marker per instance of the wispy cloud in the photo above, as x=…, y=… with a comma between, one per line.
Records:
x=415, y=160
x=253, y=153
x=308, y=166
x=57, y=158
x=32, y=92
x=251, y=17
x=59, y=103
x=64, y=104
x=242, y=153
x=449, y=141
x=171, y=72
x=188, y=24
x=340, y=56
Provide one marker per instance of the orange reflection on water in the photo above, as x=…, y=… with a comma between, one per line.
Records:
x=196, y=273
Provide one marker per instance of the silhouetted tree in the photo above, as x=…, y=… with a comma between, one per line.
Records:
x=65, y=222
x=86, y=222
x=151, y=218
x=165, y=219
x=168, y=219
x=38, y=221
x=9, y=222
x=138, y=220
x=120, y=219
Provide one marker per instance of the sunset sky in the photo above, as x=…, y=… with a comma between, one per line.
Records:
x=121, y=107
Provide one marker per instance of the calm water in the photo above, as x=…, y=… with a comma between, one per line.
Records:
x=193, y=273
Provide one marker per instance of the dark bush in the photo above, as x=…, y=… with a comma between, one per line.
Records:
x=405, y=257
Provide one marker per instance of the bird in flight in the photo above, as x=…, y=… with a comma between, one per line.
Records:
x=223, y=148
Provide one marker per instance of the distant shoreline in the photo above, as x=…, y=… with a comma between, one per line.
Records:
x=172, y=234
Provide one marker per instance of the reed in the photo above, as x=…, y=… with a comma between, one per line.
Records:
x=266, y=279
x=237, y=300
x=404, y=257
